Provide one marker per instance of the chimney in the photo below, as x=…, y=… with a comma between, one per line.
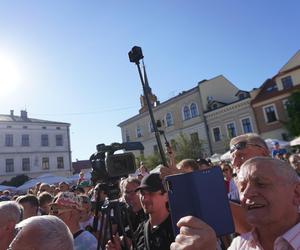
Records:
x=11, y=112
x=24, y=114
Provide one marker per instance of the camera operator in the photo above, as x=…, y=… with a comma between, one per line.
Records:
x=136, y=212
x=156, y=233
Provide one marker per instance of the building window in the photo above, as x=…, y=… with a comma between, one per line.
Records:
x=186, y=113
x=127, y=136
x=272, y=88
x=45, y=141
x=287, y=82
x=169, y=119
x=45, y=163
x=59, y=140
x=231, y=130
x=270, y=114
x=26, y=164
x=246, y=124
x=9, y=163
x=138, y=132
x=217, y=134
x=155, y=149
x=195, y=138
x=9, y=140
x=241, y=96
x=194, y=110
x=25, y=140
x=60, y=162
x=58, y=128
x=151, y=129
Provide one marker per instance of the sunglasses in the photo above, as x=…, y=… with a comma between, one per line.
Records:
x=225, y=169
x=58, y=211
x=241, y=145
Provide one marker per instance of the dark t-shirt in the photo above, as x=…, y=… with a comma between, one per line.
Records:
x=159, y=238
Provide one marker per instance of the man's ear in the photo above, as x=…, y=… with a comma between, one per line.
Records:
x=297, y=195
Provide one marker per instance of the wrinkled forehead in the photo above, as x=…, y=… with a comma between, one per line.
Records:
x=256, y=170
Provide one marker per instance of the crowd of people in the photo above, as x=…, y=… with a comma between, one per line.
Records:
x=263, y=192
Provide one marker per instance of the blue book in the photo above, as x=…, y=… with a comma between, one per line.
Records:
x=201, y=194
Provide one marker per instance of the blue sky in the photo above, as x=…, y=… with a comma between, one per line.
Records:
x=71, y=62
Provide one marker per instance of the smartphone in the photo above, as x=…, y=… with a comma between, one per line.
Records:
x=201, y=194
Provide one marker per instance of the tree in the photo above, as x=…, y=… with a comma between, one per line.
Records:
x=293, y=109
x=16, y=181
x=185, y=147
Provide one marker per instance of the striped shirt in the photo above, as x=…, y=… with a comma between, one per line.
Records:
x=288, y=241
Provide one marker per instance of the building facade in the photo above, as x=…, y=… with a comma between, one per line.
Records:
x=183, y=113
x=269, y=104
x=33, y=147
x=227, y=120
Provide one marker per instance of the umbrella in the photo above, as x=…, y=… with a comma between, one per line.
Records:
x=226, y=156
x=49, y=179
x=271, y=142
x=295, y=142
x=3, y=187
x=215, y=157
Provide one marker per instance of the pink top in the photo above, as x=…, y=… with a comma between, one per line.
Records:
x=288, y=241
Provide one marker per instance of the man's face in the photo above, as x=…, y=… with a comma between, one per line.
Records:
x=265, y=196
x=64, y=213
x=63, y=187
x=131, y=197
x=153, y=202
x=239, y=156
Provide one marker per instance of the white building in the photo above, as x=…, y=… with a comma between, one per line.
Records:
x=183, y=113
x=33, y=147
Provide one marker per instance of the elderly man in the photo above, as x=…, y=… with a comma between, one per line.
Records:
x=270, y=193
x=68, y=206
x=42, y=233
x=10, y=214
x=246, y=146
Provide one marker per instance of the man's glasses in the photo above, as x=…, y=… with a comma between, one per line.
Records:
x=225, y=169
x=241, y=145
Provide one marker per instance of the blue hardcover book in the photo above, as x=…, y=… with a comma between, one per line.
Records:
x=201, y=194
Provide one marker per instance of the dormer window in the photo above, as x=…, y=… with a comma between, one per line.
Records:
x=272, y=88
x=287, y=82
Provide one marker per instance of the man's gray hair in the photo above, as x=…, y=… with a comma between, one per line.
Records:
x=48, y=232
x=250, y=138
x=281, y=168
x=127, y=180
x=10, y=211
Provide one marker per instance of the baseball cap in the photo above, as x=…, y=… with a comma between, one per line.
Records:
x=68, y=199
x=151, y=183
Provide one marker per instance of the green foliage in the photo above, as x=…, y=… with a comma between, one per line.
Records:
x=16, y=181
x=293, y=109
x=152, y=161
x=185, y=147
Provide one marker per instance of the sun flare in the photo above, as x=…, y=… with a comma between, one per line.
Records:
x=9, y=75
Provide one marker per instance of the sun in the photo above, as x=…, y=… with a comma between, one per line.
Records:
x=9, y=75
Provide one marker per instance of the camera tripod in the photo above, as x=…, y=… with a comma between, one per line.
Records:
x=114, y=212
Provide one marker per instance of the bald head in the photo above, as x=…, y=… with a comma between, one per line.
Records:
x=276, y=168
x=249, y=138
x=43, y=232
